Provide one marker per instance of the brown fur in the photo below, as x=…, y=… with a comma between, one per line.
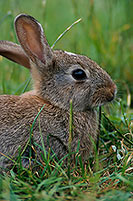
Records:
x=54, y=87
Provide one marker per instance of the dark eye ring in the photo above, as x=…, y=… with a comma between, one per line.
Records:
x=79, y=74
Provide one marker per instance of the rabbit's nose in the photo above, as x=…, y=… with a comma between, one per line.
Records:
x=111, y=92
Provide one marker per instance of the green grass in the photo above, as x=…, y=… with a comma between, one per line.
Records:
x=105, y=35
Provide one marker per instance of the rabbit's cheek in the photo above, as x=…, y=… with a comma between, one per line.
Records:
x=80, y=102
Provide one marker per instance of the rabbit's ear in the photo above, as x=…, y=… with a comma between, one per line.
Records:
x=14, y=53
x=31, y=37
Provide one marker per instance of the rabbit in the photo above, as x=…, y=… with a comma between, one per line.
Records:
x=58, y=77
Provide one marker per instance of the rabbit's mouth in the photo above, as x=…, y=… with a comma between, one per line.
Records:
x=103, y=96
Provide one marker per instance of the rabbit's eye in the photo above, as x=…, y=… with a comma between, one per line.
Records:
x=79, y=74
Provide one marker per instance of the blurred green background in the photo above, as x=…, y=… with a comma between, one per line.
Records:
x=104, y=34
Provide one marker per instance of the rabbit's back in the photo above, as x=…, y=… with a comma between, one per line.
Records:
x=18, y=114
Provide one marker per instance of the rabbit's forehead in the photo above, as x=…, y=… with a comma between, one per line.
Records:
x=67, y=59
x=71, y=53
x=65, y=56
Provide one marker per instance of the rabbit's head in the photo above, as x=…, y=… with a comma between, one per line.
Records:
x=59, y=76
